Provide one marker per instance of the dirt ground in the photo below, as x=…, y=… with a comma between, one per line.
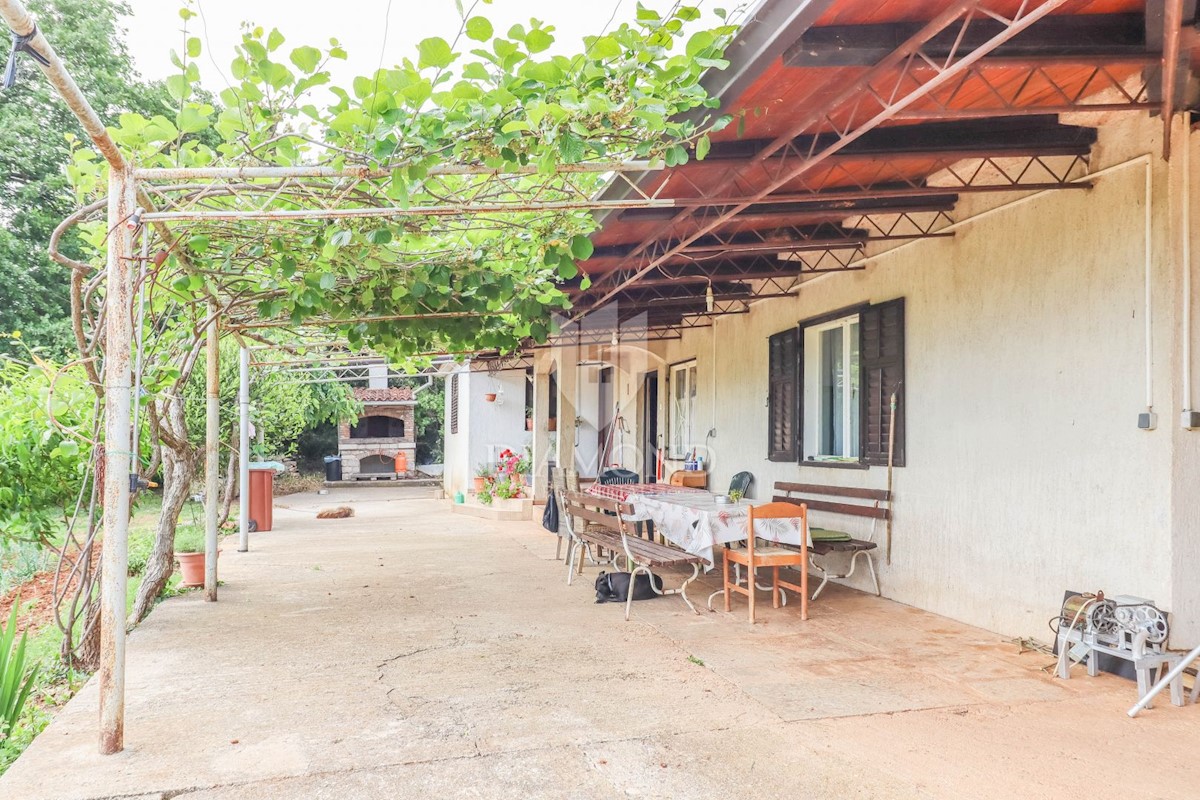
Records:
x=410, y=652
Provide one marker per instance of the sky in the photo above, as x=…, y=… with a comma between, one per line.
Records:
x=155, y=27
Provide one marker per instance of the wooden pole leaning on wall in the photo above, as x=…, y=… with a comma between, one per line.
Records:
x=212, y=492
x=118, y=335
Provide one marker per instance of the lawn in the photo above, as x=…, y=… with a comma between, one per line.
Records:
x=26, y=576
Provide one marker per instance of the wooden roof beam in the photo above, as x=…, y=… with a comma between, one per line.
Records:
x=970, y=138
x=1065, y=38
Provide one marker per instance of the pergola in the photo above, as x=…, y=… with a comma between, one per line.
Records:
x=861, y=124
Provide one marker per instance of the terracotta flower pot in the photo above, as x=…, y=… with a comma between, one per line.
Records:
x=479, y=484
x=490, y=397
x=191, y=568
x=552, y=425
x=529, y=423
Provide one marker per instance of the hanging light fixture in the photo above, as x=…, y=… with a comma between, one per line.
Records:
x=708, y=298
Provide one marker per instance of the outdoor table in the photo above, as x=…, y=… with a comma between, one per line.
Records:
x=697, y=523
x=623, y=491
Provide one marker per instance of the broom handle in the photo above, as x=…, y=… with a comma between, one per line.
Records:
x=891, y=451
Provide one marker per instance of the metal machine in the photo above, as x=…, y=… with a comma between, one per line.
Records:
x=1125, y=627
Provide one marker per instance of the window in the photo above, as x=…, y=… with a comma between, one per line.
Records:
x=832, y=396
x=831, y=384
x=783, y=397
x=454, y=403
x=378, y=427
x=683, y=409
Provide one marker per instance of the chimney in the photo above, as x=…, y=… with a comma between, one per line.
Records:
x=377, y=376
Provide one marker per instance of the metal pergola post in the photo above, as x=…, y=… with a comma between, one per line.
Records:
x=117, y=462
x=117, y=381
x=243, y=450
x=212, y=457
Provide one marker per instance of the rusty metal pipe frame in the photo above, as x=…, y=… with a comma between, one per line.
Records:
x=1172, y=30
x=117, y=462
x=212, y=456
x=154, y=174
x=22, y=23
x=960, y=13
x=244, y=326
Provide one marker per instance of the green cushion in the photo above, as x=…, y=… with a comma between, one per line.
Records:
x=823, y=535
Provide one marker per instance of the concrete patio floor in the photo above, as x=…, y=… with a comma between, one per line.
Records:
x=409, y=652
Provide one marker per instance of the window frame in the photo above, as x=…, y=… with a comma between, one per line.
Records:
x=690, y=370
x=885, y=363
x=810, y=381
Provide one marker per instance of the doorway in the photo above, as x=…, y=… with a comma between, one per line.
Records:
x=605, y=419
x=650, y=427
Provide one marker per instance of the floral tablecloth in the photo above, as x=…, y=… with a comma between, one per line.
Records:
x=697, y=523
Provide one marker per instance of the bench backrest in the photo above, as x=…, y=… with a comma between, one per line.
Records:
x=596, y=510
x=850, y=500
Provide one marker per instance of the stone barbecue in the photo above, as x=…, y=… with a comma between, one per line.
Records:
x=385, y=429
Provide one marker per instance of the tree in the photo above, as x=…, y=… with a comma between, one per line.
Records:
x=531, y=136
x=34, y=152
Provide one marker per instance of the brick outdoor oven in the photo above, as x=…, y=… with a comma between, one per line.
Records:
x=386, y=428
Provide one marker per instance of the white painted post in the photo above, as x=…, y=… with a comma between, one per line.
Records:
x=117, y=461
x=212, y=492
x=244, y=451
x=540, y=440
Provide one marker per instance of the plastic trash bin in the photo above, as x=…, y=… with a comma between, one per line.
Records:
x=262, y=497
x=333, y=468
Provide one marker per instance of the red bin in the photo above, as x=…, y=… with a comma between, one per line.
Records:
x=262, y=497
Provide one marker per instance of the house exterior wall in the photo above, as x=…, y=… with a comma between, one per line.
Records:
x=1026, y=358
x=484, y=428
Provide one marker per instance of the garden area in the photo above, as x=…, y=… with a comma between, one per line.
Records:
x=505, y=144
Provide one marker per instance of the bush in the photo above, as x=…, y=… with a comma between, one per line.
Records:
x=141, y=545
x=16, y=680
x=189, y=539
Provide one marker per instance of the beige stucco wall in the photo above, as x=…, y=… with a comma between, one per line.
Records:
x=1026, y=369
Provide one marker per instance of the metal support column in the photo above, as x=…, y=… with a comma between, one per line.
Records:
x=244, y=451
x=567, y=357
x=212, y=459
x=540, y=440
x=118, y=335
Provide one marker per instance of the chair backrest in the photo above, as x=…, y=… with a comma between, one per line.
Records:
x=775, y=510
x=741, y=483
x=597, y=510
x=617, y=477
x=853, y=501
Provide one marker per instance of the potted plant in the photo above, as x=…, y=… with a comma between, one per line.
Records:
x=735, y=496
x=529, y=423
x=189, y=552
x=482, y=473
x=484, y=495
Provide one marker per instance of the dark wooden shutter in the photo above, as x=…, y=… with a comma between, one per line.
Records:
x=783, y=398
x=454, y=403
x=882, y=364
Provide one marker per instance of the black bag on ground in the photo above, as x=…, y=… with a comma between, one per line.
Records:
x=613, y=587
x=550, y=515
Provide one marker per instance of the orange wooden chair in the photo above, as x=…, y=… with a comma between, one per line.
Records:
x=773, y=556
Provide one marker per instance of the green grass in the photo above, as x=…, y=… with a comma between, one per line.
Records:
x=56, y=683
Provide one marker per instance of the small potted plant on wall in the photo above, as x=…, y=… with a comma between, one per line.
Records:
x=189, y=552
x=482, y=473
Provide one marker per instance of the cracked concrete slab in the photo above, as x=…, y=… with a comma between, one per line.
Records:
x=407, y=651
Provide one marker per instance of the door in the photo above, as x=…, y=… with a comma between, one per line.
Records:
x=650, y=427
x=605, y=419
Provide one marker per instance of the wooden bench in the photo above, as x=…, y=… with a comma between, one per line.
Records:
x=874, y=504
x=605, y=527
